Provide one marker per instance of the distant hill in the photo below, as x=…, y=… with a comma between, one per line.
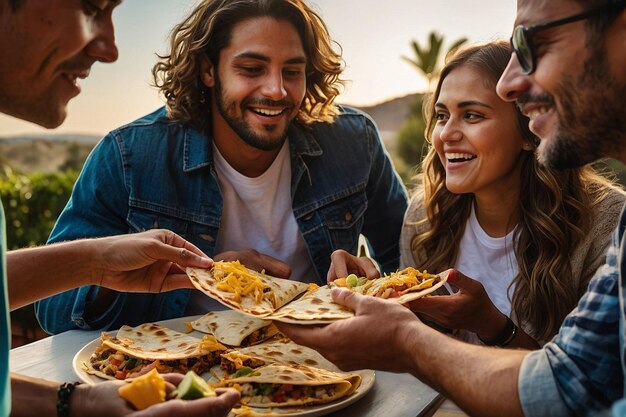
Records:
x=391, y=114
x=50, y=152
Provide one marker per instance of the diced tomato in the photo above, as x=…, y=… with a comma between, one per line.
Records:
x=394, y=294
x=114, y=362
x=296, y=394
x=279, y=397
x=121, y=374
x=285, y=388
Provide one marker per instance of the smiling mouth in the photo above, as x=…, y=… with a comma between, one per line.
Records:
x=536, y=112
x=459, y=157
x=267, y=112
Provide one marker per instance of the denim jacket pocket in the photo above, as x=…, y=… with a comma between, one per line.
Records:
x=344, y=220
x=200, y=234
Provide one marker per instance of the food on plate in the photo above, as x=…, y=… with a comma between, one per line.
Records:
x=136, y=350
x=281, y=351
x=192, y=387
x=144, y=391
x=278, y=385
x=243, y=289
x=233, y=328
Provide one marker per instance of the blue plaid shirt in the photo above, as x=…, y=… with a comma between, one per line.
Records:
x=581, y=371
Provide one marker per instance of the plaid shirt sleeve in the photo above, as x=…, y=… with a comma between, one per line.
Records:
x=579, y=372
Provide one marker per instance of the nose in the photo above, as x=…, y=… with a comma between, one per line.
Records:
x=449, y=132
x=513, y=82
x=274, y=86
x=103, y=47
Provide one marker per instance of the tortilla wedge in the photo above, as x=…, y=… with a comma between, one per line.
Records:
x=233, y=328
x=245, y=290
x=277, y=385
x=280, y=351
x=136, y=350
x=317, y=307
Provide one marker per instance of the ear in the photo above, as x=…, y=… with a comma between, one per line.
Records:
x=206, y=71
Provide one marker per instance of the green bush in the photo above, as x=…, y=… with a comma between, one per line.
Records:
x=32, y=204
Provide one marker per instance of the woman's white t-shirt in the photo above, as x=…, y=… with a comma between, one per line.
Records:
x=490, y=260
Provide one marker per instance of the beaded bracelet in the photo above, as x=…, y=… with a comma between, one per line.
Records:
x=63, y=401
x=505, y=337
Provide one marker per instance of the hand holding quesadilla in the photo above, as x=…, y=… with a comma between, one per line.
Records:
x=317, y=307
x=243, y=289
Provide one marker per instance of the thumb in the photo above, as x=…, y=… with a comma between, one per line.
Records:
x=462, y=282
x=345, y=297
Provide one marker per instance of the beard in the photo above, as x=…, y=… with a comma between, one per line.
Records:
x=592, y=124
x=271, y=140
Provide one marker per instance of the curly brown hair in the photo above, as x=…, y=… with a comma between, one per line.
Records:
x=554, y=210
x=207, y=30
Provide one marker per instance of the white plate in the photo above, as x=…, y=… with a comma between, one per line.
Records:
x=367, y=377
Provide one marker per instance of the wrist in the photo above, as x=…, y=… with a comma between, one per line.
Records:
x=504, y=337
x=67, y=399
x=491, y=329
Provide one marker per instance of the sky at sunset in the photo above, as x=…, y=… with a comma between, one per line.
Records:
x=373, y=34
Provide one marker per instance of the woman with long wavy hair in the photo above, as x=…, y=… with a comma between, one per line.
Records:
x=530, y=237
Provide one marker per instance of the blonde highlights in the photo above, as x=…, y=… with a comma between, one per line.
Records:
x=207, y=30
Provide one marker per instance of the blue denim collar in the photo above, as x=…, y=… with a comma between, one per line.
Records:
x=198, y=152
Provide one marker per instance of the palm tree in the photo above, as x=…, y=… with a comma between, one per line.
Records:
x=411, y=143
x=427, y=59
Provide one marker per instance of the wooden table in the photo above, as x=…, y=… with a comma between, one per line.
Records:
x=393, y=395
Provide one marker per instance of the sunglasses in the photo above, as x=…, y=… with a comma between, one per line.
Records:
x=522, y=44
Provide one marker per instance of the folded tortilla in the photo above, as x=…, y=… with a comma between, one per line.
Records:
x=282, y=351
x=233, y=328
x=317, y=307
x=243, y=289
x=136, y=350
x=282, y=385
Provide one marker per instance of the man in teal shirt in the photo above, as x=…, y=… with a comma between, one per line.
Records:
x=46, y=47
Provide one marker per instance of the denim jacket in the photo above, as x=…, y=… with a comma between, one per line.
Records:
x=159, y=173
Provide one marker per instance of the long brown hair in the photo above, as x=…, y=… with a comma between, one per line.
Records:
x=554, y=211
x=207, y=30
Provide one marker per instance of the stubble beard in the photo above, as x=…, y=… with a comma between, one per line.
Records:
x=592, y=123
x=242, y=128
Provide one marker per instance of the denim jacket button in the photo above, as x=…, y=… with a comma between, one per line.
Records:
x=206, y=237
x=348, y=216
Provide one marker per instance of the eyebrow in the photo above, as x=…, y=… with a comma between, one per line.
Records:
x=259, y=57
x=465, y=104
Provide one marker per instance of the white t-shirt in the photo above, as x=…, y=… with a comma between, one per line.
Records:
x=490, y=260
x=257, y=213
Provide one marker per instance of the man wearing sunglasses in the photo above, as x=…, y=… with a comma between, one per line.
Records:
x=568, y=75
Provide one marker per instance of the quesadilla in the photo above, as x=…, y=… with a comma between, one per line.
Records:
x=243, y=289
x=281, y=385
x=404, y=286
x=134, y=351
x=233, y=328
x=281, y=351
x=317, y=307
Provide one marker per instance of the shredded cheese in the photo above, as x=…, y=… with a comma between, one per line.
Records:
x=409, y=277
x=209, y=343
x=235, y=278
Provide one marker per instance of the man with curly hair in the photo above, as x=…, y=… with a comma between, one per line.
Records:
x=250, y=160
